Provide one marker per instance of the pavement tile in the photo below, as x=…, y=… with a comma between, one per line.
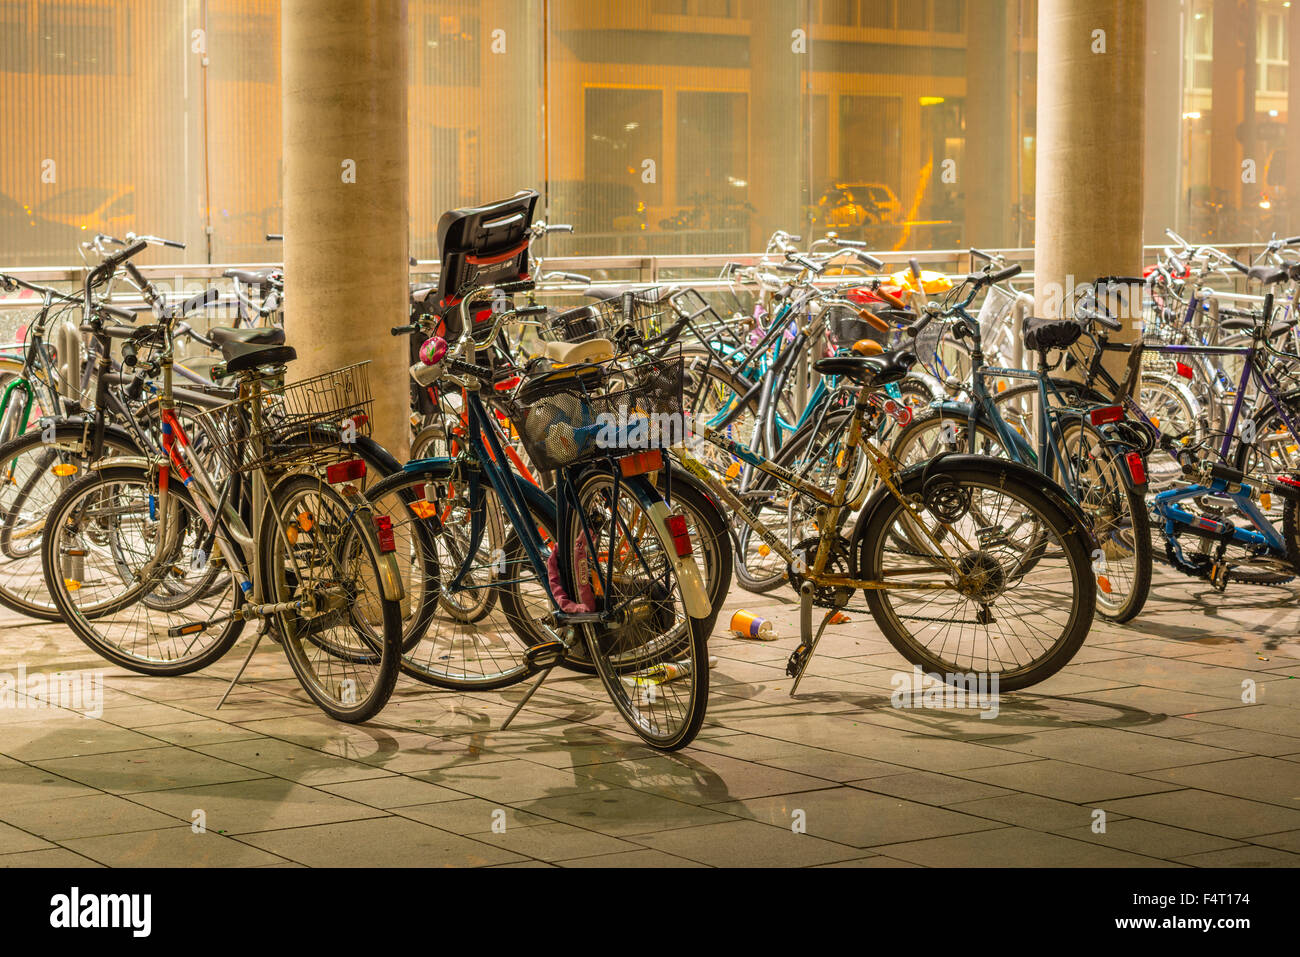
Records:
x=378, y=842
x=856, y=818
x=747, y=844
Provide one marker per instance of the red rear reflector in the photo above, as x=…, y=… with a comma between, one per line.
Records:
x=1289, y=481
x=641, y=462
x=1106, y=414
x=1183, y=370
x=681, y=536
x=1136, y=468
x=341, y=472
x=384, y=528
x=505, y=385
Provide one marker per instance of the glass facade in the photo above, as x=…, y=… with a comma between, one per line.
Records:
x=654, y=126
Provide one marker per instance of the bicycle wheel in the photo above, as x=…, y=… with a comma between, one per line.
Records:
x=652, y=657
x=1009, y=592
x=936, y=430
x=108, y=547
x=812, y=454
x=711, y=392
x=466, y=624
x=344, y=641
x=1118, y=517
x=33, y=474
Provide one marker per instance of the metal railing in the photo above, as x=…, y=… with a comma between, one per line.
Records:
x=696, y=269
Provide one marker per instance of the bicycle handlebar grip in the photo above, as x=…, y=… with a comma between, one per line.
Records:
x=890, y=298
x=117, y=258
x=873, y=320
x=403, y=330
x=1002, y=275
x=204, y=299
x=1239, y=266
x=172, y=243
x=869, y=259
x=469, y=368
x=915, y=328
x=1110, y=322
x=137, y=277
x=915, y=267
x=522, y=285
x=129, y=357
x=981, y=254
x=851, y=243
x=1292, y=241
x=117, y=312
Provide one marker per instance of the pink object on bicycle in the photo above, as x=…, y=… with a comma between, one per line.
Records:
x=433, y=350
x=586, y=600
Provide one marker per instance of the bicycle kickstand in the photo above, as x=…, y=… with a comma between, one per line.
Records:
x=532, y=690
x=243, y=665
x=800, y=657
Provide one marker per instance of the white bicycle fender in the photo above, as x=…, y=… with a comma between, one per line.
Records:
x=694, y=592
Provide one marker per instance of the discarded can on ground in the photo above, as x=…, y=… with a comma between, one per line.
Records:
x=745, y=624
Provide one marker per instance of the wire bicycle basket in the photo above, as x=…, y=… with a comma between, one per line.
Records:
x=303, y=423
x=583, y=412
x=606, y=318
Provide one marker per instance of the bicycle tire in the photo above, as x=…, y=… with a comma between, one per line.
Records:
x=999, y=477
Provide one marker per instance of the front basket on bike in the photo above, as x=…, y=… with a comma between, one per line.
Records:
x=302, y=423
x=584, y=412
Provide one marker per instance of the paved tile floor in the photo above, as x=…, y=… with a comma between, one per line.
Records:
x=1148, y=750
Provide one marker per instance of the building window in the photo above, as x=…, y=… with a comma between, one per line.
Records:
x=723, y=9
x=624, y=131
x=1271, y=50
x=13, y=40
x=950, y=16
x=74, y=39
x=451, y=50
x=1200, y=42
x=878, y=14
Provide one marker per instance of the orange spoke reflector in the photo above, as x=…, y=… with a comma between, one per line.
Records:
x=423, y=509
x=733, y=469
x=764, y=550
x=71, y=584
x=306, y=522
x=64, y=469
x=291, y=533
x=1103, y=583
x=1266, y=500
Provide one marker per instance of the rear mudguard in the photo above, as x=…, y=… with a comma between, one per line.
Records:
x=695, y=594
x=959, y=460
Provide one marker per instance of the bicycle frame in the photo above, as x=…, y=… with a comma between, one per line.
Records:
x=835, y=501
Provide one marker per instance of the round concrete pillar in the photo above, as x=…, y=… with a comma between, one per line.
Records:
x=344, y=87
x=1088, y=208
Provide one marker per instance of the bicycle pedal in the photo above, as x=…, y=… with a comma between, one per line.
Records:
x=798, y=660
x=545, y=654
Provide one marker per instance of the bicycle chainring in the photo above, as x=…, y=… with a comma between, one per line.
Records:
x=837, y=563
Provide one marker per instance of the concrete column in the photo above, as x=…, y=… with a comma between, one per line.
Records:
x=510, y=125
x=1164, y=123
x=775, y=96
x=1089, y=158
x=990, y=128
x=1233, y=84
x=1293, y=123
x=344, y=86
